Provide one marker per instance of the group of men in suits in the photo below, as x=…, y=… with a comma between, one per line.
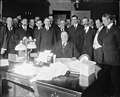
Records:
x=102, y=45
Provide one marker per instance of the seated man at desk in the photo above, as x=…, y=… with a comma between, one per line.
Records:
x=65, y=48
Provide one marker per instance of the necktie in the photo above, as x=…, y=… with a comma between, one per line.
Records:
x=85, y=30
x=107, y=30
x=62, y=29
x=63, y=45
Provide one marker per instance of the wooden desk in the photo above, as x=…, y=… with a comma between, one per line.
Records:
x=2, y=76
x=68, y=87
x=44, y=88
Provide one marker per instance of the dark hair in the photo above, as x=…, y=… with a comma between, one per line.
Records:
x=85, y=18
x=100, y=19
x=46, y=18
x=75, y=16
x=108, y=16
x=50, y=15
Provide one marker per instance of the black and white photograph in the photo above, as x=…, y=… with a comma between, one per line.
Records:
x=59, y=48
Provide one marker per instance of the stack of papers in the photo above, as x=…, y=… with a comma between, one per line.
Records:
x=86, y=67
x=43, y=56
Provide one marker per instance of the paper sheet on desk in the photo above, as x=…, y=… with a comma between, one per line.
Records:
x=48, y=73
x=64, y=60
x=4, y=62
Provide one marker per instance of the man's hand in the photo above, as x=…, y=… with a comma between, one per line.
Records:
x=2, y=51
x=73, y=58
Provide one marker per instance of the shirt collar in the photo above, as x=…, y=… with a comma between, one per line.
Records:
x=10, y=28
x=31, y=27
x=110, y=25
x=100, y=28
x=65, y=43
x=24, y=27
x=76, y=24
x=86, y=28
x=39, y=28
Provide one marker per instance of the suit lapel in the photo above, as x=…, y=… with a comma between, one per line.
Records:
x=111, y=29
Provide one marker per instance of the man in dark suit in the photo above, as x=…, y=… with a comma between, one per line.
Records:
x=22, y=31
x=31, y=27
x=65, y=48
x=98, y=41
x=75, y=33
x=61, y=27
x=52, y=22
x=9, y=43
x=37, y=34
x=111, y=51
x=47, y=36
x=2, y=34
x=89, y=33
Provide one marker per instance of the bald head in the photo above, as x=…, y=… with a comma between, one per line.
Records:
x=64, y=37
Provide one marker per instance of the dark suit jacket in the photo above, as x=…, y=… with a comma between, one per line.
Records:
x=68, y=51
x=111, y=46
x=87, y=47
x=47, y=39
x=31, y=32
x=2, y=34
x=20, y=33
x=37, y=37
x=100, y=36
x=9, y=42
x=76, y=36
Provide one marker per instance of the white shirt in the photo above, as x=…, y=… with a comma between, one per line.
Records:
x=96, y=45
x=24, y=27
x=75, y=25
x=47, y=28
x=110, y=25
x=10, y=28
x=64, y=43
x=86, y=29
x=39, y=28
x=62, y=29
x=31, y=27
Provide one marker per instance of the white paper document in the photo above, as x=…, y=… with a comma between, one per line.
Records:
x=48, y=73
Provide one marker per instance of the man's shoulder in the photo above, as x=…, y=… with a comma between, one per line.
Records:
x=18, y=29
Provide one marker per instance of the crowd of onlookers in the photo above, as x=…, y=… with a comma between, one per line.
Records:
x=22, y=27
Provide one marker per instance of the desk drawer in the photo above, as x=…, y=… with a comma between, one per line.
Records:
x=48, y=91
